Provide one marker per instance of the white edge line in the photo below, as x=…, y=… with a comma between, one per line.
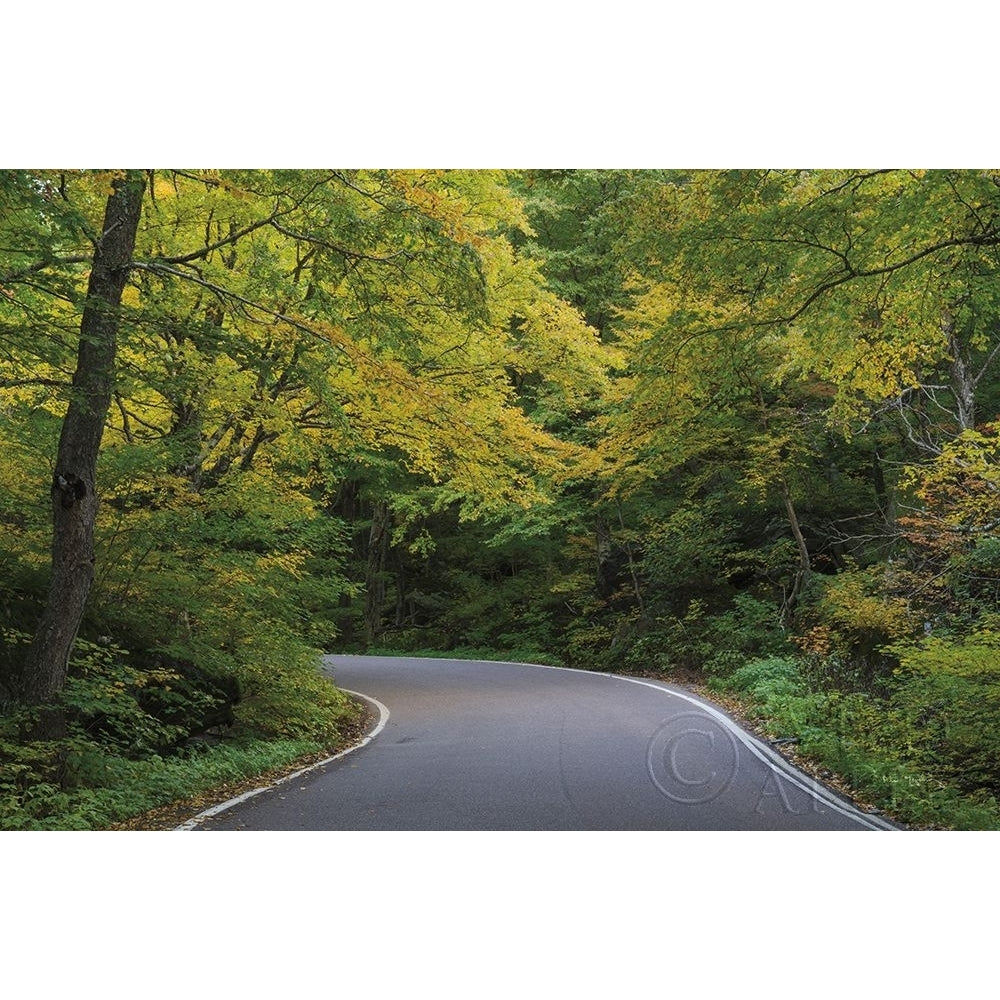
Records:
x=383, y=718
x=774, y=760
x=764, y=753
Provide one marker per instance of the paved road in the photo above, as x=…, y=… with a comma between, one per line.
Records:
x=470, y=745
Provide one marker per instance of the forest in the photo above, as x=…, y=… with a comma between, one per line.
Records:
x=738, y=429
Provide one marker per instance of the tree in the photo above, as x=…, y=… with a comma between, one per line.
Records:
x=876, y=282
x=578, y=219
x=869, y=294
x=283, y=326
x=74, y=483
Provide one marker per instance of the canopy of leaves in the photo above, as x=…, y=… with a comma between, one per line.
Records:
x=662, y=420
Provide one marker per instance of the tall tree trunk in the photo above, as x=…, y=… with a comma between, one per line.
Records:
x=344, y=506
x=605, y=582
x=632, y=569
x=804, y=570
x=74, y=494
x=400, y=562
x=962, y=381
x=378, y=550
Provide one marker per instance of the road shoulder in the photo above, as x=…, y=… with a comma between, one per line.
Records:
x=184, y=812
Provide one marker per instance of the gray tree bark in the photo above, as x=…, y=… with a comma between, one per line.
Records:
x=74, y=492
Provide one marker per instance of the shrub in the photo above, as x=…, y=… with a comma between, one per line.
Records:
x=851, y=624
x=717, y=643
x=949, y=698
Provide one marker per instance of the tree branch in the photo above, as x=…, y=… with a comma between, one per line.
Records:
x=41, y=265
x=336, y=247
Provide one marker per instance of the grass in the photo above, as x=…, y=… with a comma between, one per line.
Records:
x=473, y=653
x=105, y=790
x=863, y=740
x=98, y=778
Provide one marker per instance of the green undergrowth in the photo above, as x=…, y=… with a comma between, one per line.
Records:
x=105, y=789
x=924, y=752
x=472, y=653
x=132, y=732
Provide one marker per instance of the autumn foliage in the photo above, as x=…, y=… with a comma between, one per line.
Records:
x=733, y=425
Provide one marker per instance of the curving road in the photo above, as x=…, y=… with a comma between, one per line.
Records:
x=472, y=745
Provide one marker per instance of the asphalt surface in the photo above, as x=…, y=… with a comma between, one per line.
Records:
x=472, y=745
